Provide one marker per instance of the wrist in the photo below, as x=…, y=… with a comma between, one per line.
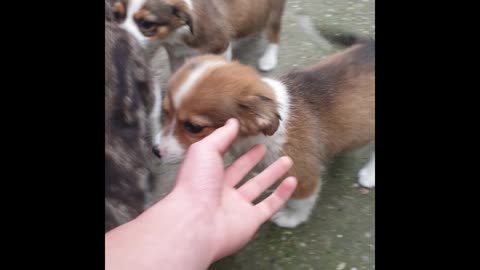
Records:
x=183, y=232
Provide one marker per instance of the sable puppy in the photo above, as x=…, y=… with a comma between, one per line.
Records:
x=310, y=115
x=206, y=26
x=128, y=102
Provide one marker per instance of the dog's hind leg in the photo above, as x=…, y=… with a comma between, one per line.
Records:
x=366, y=176
x=269, y=59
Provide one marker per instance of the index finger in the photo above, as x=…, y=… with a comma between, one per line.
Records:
x=272, y=204
x=221, y=139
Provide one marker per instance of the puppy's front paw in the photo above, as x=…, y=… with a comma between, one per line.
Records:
x=288, y=218
x=366, y=178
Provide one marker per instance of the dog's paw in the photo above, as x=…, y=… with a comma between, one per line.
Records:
x=269, y=59
x=267, y=62
x=366, y=177
x=288, y=218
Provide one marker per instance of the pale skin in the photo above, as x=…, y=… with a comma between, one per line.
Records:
x=205, y=217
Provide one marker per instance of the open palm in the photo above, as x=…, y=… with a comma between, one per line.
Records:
x=232, y=217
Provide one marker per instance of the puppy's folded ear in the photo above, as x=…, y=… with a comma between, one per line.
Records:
x=258, y=114
x=184, y=17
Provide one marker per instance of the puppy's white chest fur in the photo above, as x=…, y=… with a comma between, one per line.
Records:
x=274, y=143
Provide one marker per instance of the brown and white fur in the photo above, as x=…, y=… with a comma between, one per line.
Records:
x=206, y=26
x=310, y=115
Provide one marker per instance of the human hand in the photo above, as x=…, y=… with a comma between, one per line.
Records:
x=205, y=217
x=230, y=215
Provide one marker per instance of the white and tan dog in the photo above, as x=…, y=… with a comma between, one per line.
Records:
x=187, y=27
x=310, y=115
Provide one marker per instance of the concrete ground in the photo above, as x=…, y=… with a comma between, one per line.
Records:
x=341, y=231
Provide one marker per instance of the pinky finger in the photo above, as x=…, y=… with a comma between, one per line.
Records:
x=268, y=207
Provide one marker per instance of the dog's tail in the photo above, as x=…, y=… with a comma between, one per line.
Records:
x=347, y=39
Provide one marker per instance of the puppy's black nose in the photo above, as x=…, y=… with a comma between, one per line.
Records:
x=156, y=152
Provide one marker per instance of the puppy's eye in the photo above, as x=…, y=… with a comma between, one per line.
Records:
x=117, y=15
x=118, y=11
x=192, y=128
x=145, y=24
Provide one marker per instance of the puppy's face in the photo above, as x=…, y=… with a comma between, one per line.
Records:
x=203, y=94
x=150, y=20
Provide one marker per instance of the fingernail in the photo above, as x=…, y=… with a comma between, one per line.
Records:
x=288, y=160
x=261, y=146
x=230, y=121
x=291, y=181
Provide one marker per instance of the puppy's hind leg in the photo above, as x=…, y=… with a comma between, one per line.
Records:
x=366, y=176
x=269, y=59
x=299, y=207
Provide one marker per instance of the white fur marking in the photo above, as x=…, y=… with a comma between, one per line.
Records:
x=366, y=176
x=170, y=149
x=189, y=4
x=296, y=211
x=130, y=25
x=192, y=80
x=228, y=53
x=156, y=111
x=269, y=58
x=282, y=97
